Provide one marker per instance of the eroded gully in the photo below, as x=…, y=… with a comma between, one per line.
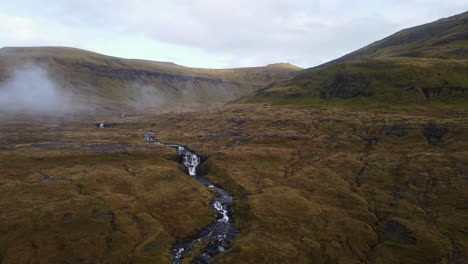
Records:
x=216, y=237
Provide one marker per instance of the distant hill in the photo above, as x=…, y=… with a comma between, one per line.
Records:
x=419, y=65
x=114, y=83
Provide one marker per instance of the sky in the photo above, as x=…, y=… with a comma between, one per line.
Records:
x=216, y=33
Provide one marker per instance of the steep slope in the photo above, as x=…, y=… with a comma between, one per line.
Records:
x=122, y=83
x=446, y=38
x=420, y=65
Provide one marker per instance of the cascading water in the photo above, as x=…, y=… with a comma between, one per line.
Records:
x=190, y=160
x=217, y=236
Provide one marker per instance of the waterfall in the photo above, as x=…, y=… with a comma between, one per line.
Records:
x=218, y=234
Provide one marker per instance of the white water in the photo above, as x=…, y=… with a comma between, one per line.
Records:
x=222, y=210
x=219, y=233
x=190, y=160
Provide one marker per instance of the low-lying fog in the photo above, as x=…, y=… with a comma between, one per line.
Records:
x=29, y=90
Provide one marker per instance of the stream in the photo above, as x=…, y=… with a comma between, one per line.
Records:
x=215, y=237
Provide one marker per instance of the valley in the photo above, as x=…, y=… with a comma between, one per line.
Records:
x=359, y=160
x=308, y=184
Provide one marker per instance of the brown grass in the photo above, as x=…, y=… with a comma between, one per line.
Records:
x=311, y=185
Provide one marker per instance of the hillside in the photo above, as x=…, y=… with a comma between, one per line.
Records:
x=426, y=64
x=115, y=83
x=446, y=38
x=310, y=182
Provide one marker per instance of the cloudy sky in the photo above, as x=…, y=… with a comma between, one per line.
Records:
x=216, y=33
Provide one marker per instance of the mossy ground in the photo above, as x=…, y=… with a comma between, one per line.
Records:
x=77, y=194
x=384, y=83
x=312, y=185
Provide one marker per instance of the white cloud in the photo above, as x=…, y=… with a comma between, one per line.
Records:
x=217, y=33
x=16, y=28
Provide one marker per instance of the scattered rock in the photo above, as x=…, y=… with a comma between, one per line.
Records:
x=371, y=139
x=398, y=233
x=434, y=132
x=67, y=217
x=396, y=130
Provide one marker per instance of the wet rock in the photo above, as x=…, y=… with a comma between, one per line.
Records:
x=201, y=260
x=398, y=233
x=434, y=132
x=149, y=138
x=221, y=232
x=212, y=249
x=396, y=130
x=219, y=215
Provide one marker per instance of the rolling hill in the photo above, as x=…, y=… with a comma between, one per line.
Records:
x=419, y=65
x=115, y=83
x=310, y=184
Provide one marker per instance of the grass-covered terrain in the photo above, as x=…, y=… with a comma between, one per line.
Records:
x=385, y=82
x=311, y=185
x=111, y=83
x=71, y=193
x=417, y=66
x=336, y=186
x=445, y=38
x=360, y=160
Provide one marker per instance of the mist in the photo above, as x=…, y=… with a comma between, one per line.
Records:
x=30, y=90
x=144, y=97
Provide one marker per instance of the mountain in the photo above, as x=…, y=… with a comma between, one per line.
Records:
x=419, y=65
x=446, y=38
x=115, y=83
x=309, y=184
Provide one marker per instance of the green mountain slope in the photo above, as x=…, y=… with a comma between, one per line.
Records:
x=420, y=65
x=114, y=83
x=446, y=38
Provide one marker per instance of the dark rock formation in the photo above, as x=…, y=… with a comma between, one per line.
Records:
x=398, y=233
x=434, y=132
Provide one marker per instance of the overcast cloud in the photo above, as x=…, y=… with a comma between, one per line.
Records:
x=210, y=33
